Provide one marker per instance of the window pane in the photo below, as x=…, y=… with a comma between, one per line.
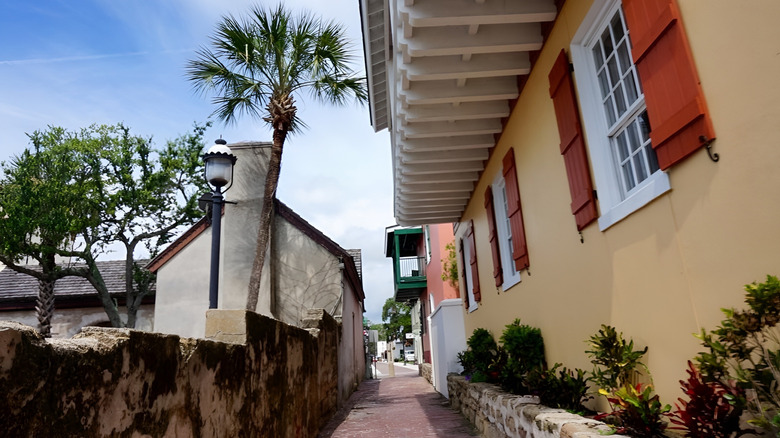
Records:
x=614, y=77
x=622, y=147
x=624, y=58
x=639, y=166
x=604, y=83
x=652, y=159
x=606, y=40
x=620, y=100
x=598, y=56
x=633, y=138
x=610, y=110
x=628, y=176
x=617, y=27
x=631, y=88
x=644, y=126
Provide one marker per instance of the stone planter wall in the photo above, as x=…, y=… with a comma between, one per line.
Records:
x=426, y=371
x=498, y=414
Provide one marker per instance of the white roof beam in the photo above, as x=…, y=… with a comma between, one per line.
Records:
x=447, y=144
x=448, y=112
x=477, y=90
x=479, y=66
x=440, y=178
x=444, y=157
x=468, y=12
x=491, y=39
x=441, y=168
x=451, y=129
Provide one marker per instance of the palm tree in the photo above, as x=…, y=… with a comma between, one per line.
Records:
x=256, y=66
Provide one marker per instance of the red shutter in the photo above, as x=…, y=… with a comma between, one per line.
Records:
x=519, y=247
x=465, y=279
x=675, y=103
x=498, y=272
x=473, y=262
x=583, y=206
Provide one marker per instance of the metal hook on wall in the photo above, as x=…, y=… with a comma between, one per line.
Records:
x=708, y=145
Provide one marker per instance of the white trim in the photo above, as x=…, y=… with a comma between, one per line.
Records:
x=510, y=274
x=613, y=207
x=466, y=242
x=654, y=186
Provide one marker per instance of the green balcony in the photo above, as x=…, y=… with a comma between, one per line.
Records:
x=406, y=246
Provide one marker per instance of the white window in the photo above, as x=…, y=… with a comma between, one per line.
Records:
x=504, y=230
x=614, y=114
x=467, y=249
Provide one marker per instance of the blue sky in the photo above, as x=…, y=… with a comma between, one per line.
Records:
x=72, y=63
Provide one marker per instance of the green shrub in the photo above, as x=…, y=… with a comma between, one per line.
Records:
x=480, y=356
x=614, y=359
x=564, y=389
x=746, y=349
x=639, y=411
x=524, y=346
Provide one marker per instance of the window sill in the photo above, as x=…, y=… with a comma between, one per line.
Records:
x=508, y=283
x=655, y=186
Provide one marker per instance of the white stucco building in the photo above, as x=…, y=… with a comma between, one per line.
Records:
x=304, y=269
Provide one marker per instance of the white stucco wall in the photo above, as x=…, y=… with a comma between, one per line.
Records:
x=67, y=322
x=183, y=290
x=352, y=366
x=307, y=276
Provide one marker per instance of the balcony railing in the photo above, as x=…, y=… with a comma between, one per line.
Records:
x=412, y=268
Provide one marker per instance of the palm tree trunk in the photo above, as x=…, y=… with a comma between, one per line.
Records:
x=264, y=228
x=44, y=306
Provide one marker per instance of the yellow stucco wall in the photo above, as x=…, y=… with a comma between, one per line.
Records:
x=663, y=272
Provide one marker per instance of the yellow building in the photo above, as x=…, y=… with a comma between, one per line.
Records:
x=574, y=143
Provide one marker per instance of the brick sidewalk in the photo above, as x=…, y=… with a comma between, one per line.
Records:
x=404, y=406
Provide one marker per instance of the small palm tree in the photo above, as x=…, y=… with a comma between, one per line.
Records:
x=255, y=67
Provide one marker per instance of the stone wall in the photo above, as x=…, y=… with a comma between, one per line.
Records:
x=426, y=371
x=264, y=378
x=497, y=414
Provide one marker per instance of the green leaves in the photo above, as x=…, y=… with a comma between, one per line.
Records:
x=270, y=55
x=613, y=358
x=75, y=193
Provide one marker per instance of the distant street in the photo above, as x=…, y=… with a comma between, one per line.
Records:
x=402, y=406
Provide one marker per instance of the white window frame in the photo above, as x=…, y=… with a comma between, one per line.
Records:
x=473, y=305
x=501, y=212
x=613, y=206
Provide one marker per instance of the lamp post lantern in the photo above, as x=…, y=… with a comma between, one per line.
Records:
x=219, y=174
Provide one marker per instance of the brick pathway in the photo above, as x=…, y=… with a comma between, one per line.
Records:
x=404, y=406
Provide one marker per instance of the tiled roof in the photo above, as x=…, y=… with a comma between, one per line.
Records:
x=21, y=288
x=357, y=256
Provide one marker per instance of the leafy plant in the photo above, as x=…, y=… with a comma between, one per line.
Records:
x=613, y=358
x=560, y=388
x=481, y=354
x=639, y=411
x=449, y=271
x=712, y=409
x=746, y=348
x=525, y=350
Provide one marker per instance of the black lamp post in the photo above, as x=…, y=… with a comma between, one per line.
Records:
x=219, y=173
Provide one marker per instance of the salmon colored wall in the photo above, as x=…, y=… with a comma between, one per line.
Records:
x=663, y=272
x=440, y=235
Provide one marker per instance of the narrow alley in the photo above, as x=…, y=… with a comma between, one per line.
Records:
x=402, y=406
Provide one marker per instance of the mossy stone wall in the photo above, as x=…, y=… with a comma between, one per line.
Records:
x=126, y=383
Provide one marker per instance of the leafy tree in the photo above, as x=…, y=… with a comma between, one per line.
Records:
x=256, y=66
x=45, y=201
x=397, y=319
x=76, y=193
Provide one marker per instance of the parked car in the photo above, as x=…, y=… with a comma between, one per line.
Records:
x=409, y=356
